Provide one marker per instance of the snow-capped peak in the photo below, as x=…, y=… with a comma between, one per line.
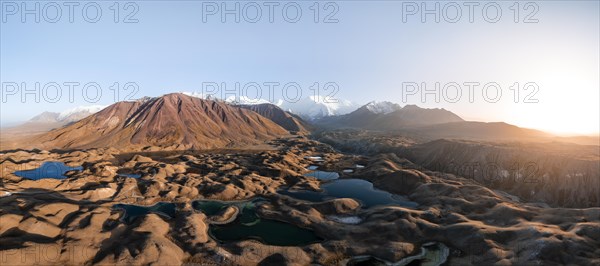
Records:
x=79, y=112
x=310, y=107
x=313, y=107
x=382, y=107
x=244, y=100
x=196, y=94
x=233, y=99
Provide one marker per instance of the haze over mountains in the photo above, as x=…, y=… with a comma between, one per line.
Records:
x=50, y=120
x=67, y=116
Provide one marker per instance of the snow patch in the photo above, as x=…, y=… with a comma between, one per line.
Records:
x=245, y=100
x=314, y=107
x=233, y=99
x=196, y=95
x=80, y=110
x=382, y=107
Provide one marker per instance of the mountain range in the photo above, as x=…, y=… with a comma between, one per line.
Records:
x=183, y=121
x=389, y=116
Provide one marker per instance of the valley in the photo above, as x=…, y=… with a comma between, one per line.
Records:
x=179, y=180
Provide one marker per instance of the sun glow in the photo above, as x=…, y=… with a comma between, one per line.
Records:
x=568, y=105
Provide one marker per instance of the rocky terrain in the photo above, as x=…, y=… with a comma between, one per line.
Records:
x=555, y=173
x=74, y=221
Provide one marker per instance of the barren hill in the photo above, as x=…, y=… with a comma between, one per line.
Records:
x=171, y=121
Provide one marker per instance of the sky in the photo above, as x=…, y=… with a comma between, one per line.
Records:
x=535, y=65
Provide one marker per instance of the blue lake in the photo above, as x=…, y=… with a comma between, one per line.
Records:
x=54, y=170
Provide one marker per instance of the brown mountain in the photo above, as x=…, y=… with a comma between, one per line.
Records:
x=174, y=121
x=472, y=130
x=412, y=115
x=290, y=122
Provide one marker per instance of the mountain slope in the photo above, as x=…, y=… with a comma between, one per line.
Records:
x=284, y=119
x=488, y=131
x=175, y=121
x=45, y=117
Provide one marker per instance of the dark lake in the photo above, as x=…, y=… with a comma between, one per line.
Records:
x=132, y=212
x=249, y=225
x=358, y=189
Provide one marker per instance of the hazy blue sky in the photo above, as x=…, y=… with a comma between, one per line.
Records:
x=370, y=52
